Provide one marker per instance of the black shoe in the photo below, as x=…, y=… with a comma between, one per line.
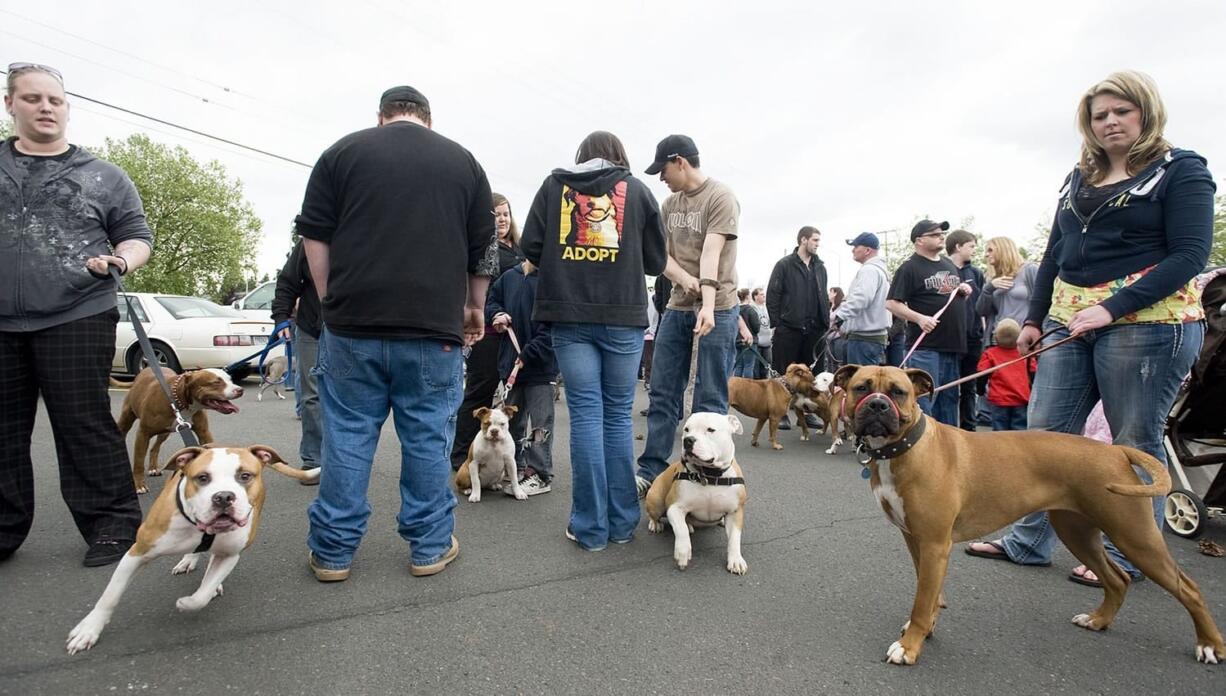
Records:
x=309, y=482
x=784, y=424
x=7, y=554
x=105, y=551
x=812, y=421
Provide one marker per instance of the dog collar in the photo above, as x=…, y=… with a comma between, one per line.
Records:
x=705, y=475
x=896, y=448
x=206, y=542
x=174, y=393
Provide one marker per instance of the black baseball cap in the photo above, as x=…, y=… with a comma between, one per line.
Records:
x=923, y=227
x=865, y=239
x=404, y=93
x=670, y=147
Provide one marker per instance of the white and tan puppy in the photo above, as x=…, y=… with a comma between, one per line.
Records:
x=491, y=456
x=832, y=410
x=705, y=488
x=212, y=504
x=273, y=377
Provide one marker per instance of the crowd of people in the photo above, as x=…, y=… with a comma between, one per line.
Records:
x=398, y=211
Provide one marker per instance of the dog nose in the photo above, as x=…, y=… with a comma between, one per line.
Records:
x=238, y=391
x=688, y=442
x=879, y=405
x=223, y=499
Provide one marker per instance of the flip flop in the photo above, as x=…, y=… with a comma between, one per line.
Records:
x=1000, y=556
x=1081, y=579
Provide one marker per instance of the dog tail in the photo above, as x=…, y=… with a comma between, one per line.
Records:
x=117, y=384
x=1153, y=467
x=300, y=474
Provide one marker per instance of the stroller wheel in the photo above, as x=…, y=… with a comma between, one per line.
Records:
x=1185, y=513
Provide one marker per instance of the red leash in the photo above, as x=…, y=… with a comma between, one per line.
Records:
x=505, y=390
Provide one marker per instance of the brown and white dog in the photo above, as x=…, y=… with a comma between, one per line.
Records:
x=215, y=494
x=194, y=392
x=940, y=485
x=833, y=411
x=491, y=456
x=273, y=377
x=705, y=488
x=769, y=400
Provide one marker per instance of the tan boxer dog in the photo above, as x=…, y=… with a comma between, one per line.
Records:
x=195, y=393
x=940, y=485
x=705, y=488
x=769, y=400
x=211, y=505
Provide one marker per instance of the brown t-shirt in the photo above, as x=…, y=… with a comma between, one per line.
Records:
x=688, y=219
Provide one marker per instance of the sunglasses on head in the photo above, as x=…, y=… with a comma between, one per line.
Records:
x=20, y=67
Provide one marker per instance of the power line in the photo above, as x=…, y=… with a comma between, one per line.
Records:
x=184, y=128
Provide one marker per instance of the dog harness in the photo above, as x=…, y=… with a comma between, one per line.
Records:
x=708, y=476
x=206, y=542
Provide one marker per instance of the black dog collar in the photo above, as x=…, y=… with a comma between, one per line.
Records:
x=206, y=542
x=708, y=476
x=896, y=448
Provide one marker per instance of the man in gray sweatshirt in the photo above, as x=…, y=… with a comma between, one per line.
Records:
x=65, y=216
x=862, y=317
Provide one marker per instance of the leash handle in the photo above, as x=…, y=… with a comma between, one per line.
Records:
x=935, y=317
x=182, y=427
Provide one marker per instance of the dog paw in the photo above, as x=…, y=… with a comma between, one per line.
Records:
x=738, y=566
x=776, y=446
x=682, y=554
x=804, y=438
x=153, y=471
x=897, y=655
x=85, y=635
x=187, y=565
x=1089, y=621
x=1207, y=654
x=190, y=603
x=753, y=444
x=475, y=496
x=520, y=494
x=281, y=396
x=655, y=526
x=833, y=450
x=141, y=490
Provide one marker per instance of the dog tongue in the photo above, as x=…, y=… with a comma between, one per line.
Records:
x=225, y=407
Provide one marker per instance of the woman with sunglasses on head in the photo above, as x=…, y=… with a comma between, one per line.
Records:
x=1133, y=228
x=481, y=367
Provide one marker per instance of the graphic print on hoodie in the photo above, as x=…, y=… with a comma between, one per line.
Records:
x=590, y=228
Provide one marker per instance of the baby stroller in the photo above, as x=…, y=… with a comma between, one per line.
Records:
x=1196, y=426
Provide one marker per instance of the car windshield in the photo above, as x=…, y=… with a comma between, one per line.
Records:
x=196, y=308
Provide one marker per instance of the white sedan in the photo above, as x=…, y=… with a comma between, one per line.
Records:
x=188, y=333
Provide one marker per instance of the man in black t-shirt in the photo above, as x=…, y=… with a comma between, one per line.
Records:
x=921, y=288
x=391, y=213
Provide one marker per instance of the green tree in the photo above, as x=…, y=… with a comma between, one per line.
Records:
x=1217, y=253
x=6, y=130
x=205, y=232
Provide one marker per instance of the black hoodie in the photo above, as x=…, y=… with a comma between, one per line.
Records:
x=594, y=232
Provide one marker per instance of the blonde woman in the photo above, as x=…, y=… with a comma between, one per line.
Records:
x=1133, y=228
x=1010, y=281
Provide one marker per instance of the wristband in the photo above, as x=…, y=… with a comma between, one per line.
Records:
x=707, y=282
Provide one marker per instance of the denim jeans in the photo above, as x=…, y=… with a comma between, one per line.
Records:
x=943, y=368
x=1008, y=417
x=896, y=349
x=746, y=362
x=1136, y=370
x=306, y=353
x=360, y=379
x=599, y=366
x=671, y=372
x=864, y=352
x=533, y=448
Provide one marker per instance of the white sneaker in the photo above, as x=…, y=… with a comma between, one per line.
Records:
x=532, y=485
x=643, y=485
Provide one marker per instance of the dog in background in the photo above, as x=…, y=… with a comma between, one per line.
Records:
x=769, y=400
x=491, y=457
x=273, y=377
x=833, y=410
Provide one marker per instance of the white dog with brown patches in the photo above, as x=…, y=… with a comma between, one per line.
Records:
x=705, y=488
x=211, y=505
x=491, y=457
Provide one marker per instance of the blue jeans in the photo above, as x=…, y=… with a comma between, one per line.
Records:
x=306, y=353
x=864, y=352
x=599, y=366
x=943, y=368
x=746, y=362
x=670, y=371
x=1008, y=417
x=896, y=349
x=360, y=379
x=1136, y=370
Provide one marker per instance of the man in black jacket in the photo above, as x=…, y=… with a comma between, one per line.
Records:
x=798, y=304
x=294, y=286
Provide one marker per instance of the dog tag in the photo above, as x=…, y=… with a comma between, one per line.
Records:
x=865, y=473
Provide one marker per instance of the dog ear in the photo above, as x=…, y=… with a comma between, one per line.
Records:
x=479, y=414
x=734, y=424
x=843, y=376
x=921, y=380
x=510, y=410
x=182, y=458
x=265, y=454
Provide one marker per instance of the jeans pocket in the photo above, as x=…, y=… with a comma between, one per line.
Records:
x=440, y=364
x=624, y=339
x=334, y=357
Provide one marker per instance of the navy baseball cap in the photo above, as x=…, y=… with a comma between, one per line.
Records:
x=865, y=239
x=670, y=147
x=923, y=227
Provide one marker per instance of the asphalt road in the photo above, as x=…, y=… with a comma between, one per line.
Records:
x=525, y=611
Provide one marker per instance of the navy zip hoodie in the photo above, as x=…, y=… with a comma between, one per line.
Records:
x=515, y=293
x=593, y=232
x=1166, y=221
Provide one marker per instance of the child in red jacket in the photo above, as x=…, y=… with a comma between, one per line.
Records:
x=1008, y=388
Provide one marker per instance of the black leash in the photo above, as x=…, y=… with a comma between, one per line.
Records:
x=182, y=427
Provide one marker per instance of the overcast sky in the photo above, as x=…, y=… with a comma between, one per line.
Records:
x=849, y=118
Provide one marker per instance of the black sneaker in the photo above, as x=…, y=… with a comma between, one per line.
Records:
x=105, y=551
x=784, y=424
x=812, y=421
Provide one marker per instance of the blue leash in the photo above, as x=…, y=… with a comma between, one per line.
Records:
x=263, y=355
